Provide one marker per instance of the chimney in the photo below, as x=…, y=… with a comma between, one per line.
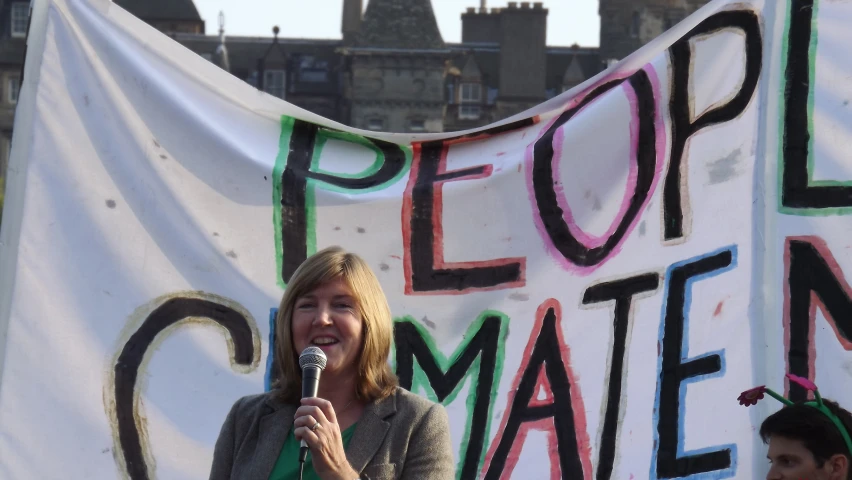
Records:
x=523, y=57
x=481, y=26
x=352, y=12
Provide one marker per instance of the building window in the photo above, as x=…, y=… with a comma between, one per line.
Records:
x=312, y=70
x=20, y=14
x=469, y=112
x=13, y=86
x=313, y=76
x=471, y=100
x=274, y=82
x=471, y=93
x=417, y=125
x=375, y=123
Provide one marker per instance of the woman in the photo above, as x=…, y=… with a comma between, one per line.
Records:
x=361, y=424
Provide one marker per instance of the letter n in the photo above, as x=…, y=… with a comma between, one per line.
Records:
x=814, y=280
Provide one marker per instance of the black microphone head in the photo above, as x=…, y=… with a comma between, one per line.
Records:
x=312, y=357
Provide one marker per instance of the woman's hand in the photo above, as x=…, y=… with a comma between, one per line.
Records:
x=316, y=424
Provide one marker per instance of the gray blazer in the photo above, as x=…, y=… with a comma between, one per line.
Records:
x=401, y=437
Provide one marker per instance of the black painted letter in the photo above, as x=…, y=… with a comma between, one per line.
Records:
x=796, y=192
x=544, y=352
x=811, y=269
x=683, y=127
x=674, y=371
x=547, y=204
x=423, y=232
x=484, y=344
x=622, y=291
x=294, y=187
x=130, y=359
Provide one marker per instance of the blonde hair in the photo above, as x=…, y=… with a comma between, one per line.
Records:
x=375, y=380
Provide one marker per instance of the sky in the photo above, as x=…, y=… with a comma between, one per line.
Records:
x=569, y=21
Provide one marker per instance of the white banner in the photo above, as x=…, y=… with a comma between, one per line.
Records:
x=586, y=287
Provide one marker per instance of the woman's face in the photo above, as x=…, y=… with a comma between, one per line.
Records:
x=327, y=317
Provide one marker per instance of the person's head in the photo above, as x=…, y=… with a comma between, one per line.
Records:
x=335, y=302
x=805, y=444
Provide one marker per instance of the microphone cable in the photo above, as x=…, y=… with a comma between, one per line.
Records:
x=303, y=453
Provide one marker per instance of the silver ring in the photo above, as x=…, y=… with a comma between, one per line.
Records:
x=315, y=427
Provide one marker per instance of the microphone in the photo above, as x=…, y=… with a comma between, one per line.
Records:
x=312, y=362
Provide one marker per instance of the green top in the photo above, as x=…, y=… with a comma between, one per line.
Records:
x=287, y=466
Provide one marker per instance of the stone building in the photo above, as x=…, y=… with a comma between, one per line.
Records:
x=166, y=16
x=391, y=70
x=626, y=25
x=14, y=17
x=503, y=65
x=395, y=62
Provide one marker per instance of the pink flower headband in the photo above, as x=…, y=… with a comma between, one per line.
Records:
x=752, y=396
